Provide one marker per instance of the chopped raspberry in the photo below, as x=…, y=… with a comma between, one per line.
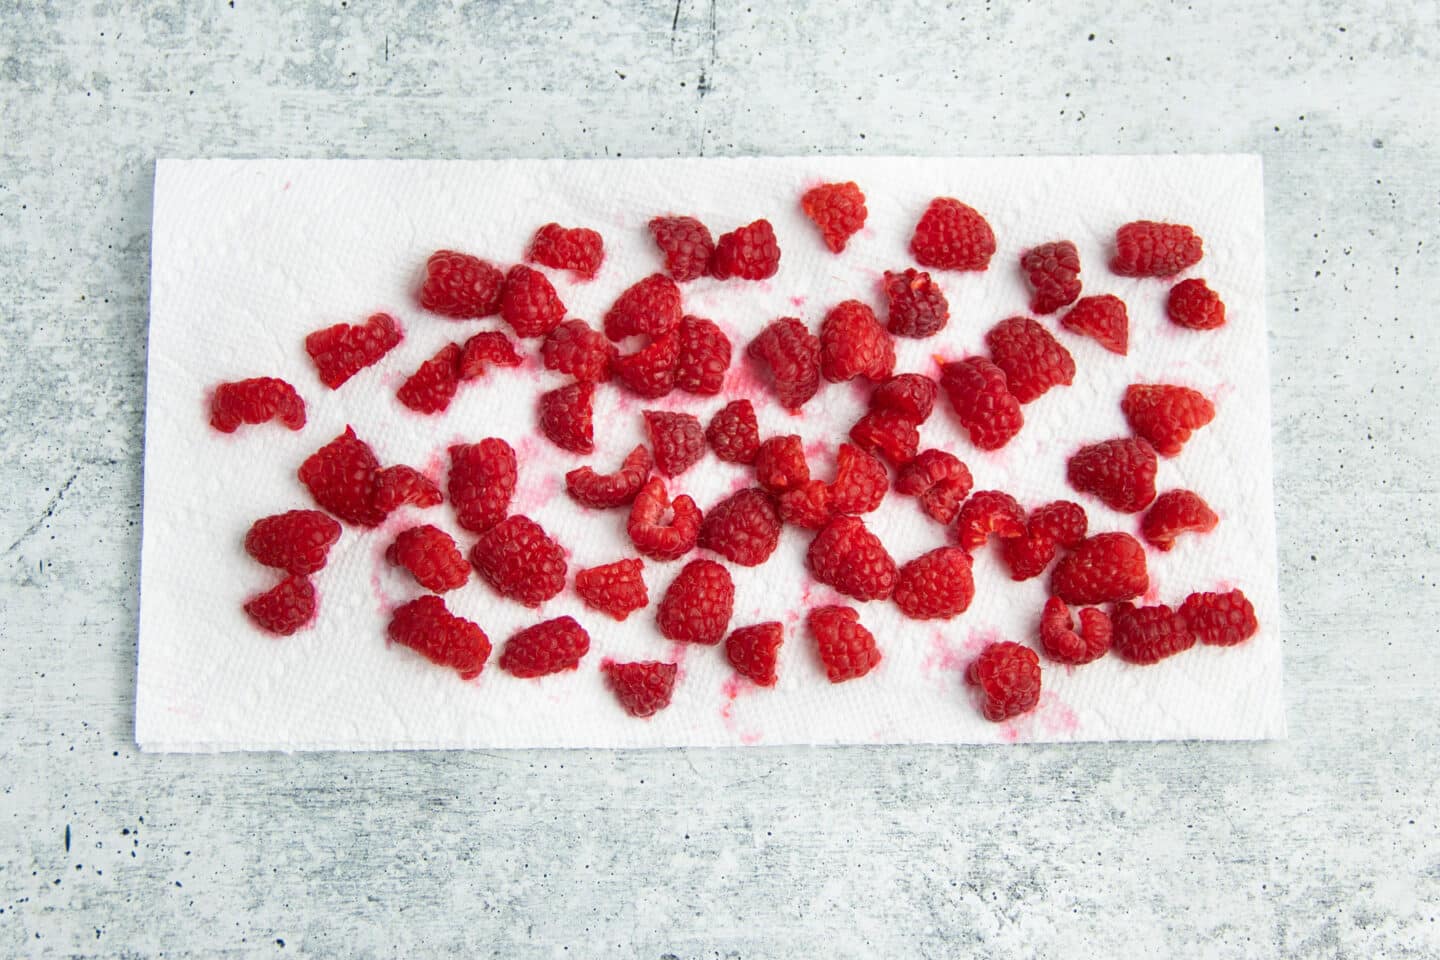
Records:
x=853, y=344
x=1195, y=306
x=643, y=687
x=1148, y=634
x=860, y=481
x=605, y=490
x=341, y=351
x=677, y=439
x=1053, y=272
x=657, y=540
x=1063, y=521
x=431, y=556
x=686, y=244
x=792, y=355
x=616, y=589
x=486, y=348
x=743, y=528
x=807, y=505
x=576, y=348
x=952, y=236
x=649, y=373
x=734, y=433
x=549, y=647
x=888, y=434
x=258, y=400
x=988, y=513
x=481, y=483
x=1028, y=555
x=1121, y=473
x=1145, y=248
x=285, y=607
x=750, y=253
x=400, y=485
x=847, y=650
x=1008, y=676
x=567, y=416
x=1165, y=415
x=520, y=561
x=915, y=304
x=753, y=651
x=297, y=541
x=697, y=605
x=530, y=304
x=982, y=401
x=1175, y=512
x=577, y=249
x=427, y=626
x=341, y=478
x=935, y=585
x=939, y=480
x=431, y=388
x=460, y=286
x=780, y=463
x=1104, y=568
x=852, y=560
x=838, y=209
x=703, y=358
x=1220, y=619
x=1033, y=360
x=1104, y=318
x=650, y=307
x=1063, y=643
x=911, y=395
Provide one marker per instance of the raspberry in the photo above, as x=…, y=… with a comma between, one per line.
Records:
x=982, y=401
x=686, y=244
x=577, y=249
x=1053, y=271
x=935, y=585
x=1148, y=634
x=860, y=481
x=911, y=395
x=1165, y=415
x=400, y=485
x=987, y=513
x=1149, y=249
x=1033, y=360
x=853, y=344
x=489, y=347
x=697, y=605
x=341, y=351
x=838, y=209
x=649, y=373
x=753, y=650
x=1121, y=473
x=1060, y=640
x=677, y=439
x=847, y=650
x=1104, y=318
x=604, y=490
x=297, y=541
x=650, y=307
x=643, y=687
x=1220, y=619
x=566, y=416
x=258, y=400
x=341, y=478
x=431, y=557
x=1175, y=512
x=520, y=561
x=891, y=435
x=1195, y=306
x=734, y=433
x=616, y=589
x=427, y=626
x=1027, y=555
x=530, y=304
x=1104, y=568
x=780, y=464
x=915, y=304
x=1008, y=676
x=704, y=357
x=285, y=607
x=743, y=528
x=460, y=286
x=792, y=355
x=807, y=505
x=431, y=388
x=579, y=350
x=663, y=541
x=1063, y=521
x=952, y=236
x=851, y=559
x=939, y=480
x=549, y=647
x=481, y=483
x=750, y=253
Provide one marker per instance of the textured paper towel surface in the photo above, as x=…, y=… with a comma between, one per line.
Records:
x=249, y=256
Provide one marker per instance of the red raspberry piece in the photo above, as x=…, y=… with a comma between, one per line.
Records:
x=753, y=651
x=258, y=400
x=750, y=253
x=987, y=513
x=1104, y=318
x=285, y=607
x=400, y=485
x=1175, y=512
x=888, y=434
x=677, y=439
x=851, y=559
x=982, y=401
x=704, y=356
x=1220, y=619
x=341, y=478
x=734, y=433
x=650, y=307
x=605, y=490
x=431, y=557
x=1165, y=415
x=915, y=304
x=1148, y=634
x=847, y=650
x=1063, y=521
x=567, y=416
x=577, y=249
x=939, y=480
x=697, y=605
x=1063, y=643
x=1033, y=360
x=1008, y=676
x=853, y=344
x=489, y=347
x=643, y=687
x=649, y=373
x=1145, y=248
x=616, y=589
x=460, y=286
x=427, y=626
x=911, y=395
x=549, y=647
x=838, y=209
x=807, y=505
x=657, y=540
x=530, y=304
x=1053, y=271
x=792, y=355
x=341, y=351
x=935, y=585
x=1121, y=473
x=576, y=348
x=860, y=481
x=1104, y=568
x=1055, y=524
x=952, y=236
x=686, y=244
x=431, y=388
x=297, y=541
x=1027, y=555
x=520, y=561
x=780, y=464
x=481, y=483
x=1195, y=306
x=743, y=528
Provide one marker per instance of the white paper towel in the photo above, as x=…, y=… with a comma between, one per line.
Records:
x=249, y=256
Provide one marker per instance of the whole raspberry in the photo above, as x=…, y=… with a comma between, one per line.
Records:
x=1165, y=415
x=1175, y=512
x=481, y=482
x=847, y=650
x=649, y=307
x=860, y=481
x=1060, y=640
x=567, y=416
x=431, y=388
x=677, y=439
x=549, y=647
x=1104, y=568
x=258, y=400
x=1104, y=318
x=838, y=209
x=530, y=304
x=1008, y=676
x=643, y=687
x=297, y=541
x=657, y=540
x=987, y=513
x=341, y=478
x=460, y=286
x=780, y=463
x=734, y=433
x=1145, y=248
x=982, y=401
x=952, y=236
x=431, y=557
x=577, y=249
x=704, y=357
x=1063, y=521
x=341, y=351
x=743, y=528
x=576, y=348
x=1148, y=634
x=605, y=490
x=486, y=348
x=792, y=355
x=1027, y=555
x=427, y=626
x=1220, y=619
x=753, y=651
x=888, y=434
x=697, y=605
x=616, y=589
x=750, y=253
x=285, y=607
x=1121, y=473
x=911, y=395
x=935, y=585
x=807, y=506
x=1033, y=360
x=649, y=373
x=1053, y=271
x=1195, y=306
x=851, y=559
x=915, y=304
x=520, y=561
x=939, y=480
x=400, y=485
x=853, y=344
x=686, y=244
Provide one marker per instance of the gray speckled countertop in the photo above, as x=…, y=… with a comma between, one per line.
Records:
x=1325, y=845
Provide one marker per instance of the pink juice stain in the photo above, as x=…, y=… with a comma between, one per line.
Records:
x=743, y=380
x=797, y=302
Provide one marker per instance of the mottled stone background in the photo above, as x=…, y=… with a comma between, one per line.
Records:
x=1322, y=846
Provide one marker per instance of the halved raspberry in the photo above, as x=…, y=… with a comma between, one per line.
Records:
x=649, y=373
x=530, y=304
x=860, y=481
x=780, y=463
x=1195, y=306
x=341, y=478
x=616, y=589
x=1104, y=568
x=520, y=561
x=686, y=245
x=1028, y=555
x=460, y=286
x=577, y=249
x=677, y=439
x=431, y=388
x=743, y=528
x=988, y=513
x=643, y=687
x=753, y=651
x=704, y=356
x=1121, y=473
x=1033, y=360
x=257, y=400
x=1175, y=512
x=734, y=433
x=1053, y=271
x=1063, y=643
x=749, y=252
x=649, y=307
x=657, y=540
x=698, y=603
x=567, y=416
x=1165, y=415
x=851, y=559
x=939, y=480
x=888, y=434
x=1220, y=619
x=486, y=348
x=952, y=236
x=1145, y=248
x=838, y=209
x=1149, y=634
x=1063, y=521
x=481, y=482
x=935, y=585
x=916, y=306
x=853, y=344
x=847, y=650
x=982, y=401
x=911, y=395
x=549, y=647
x=400, y=485
x=576, y=348
x=1008, y=676
x=431, y=556
x=297, y=541
x=605, y=490
x=792, y=356
x=1104, y=318
x=807, y=505
x=341, y=351
x=285, y=607
x=427, y=626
